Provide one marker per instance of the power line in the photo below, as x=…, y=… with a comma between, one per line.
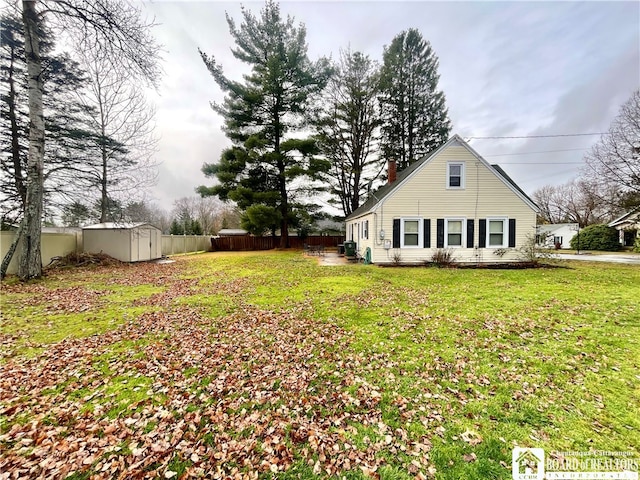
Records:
x=541, y=136
x=542, y=163
x=531, y=153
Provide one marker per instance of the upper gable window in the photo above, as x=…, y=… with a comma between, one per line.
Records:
x=455, y=175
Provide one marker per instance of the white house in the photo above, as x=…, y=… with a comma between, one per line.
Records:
x=628, y=225
x=451, y=199
x=556, y=234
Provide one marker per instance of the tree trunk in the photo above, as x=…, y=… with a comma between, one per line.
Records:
x=30, y=263
x=104, y=197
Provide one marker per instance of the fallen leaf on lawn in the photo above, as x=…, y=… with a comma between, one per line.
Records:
x=471, y=437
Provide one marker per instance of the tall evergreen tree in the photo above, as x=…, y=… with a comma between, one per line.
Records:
x=348, y=128
x=415, y=118
x=262, y=114
x=64, y=127
x=114, y=25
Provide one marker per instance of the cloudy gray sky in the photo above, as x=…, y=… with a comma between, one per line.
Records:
x=506, y=68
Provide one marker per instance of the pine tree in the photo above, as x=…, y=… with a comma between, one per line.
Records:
x=65, y=131
x=415, y=118
x=176, y=228
x=116, y=26
x=262, y=114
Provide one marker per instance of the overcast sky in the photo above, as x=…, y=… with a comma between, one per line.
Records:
x=506, y=68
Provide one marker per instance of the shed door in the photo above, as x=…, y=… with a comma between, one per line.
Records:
x=144, y=244
x=155, y=245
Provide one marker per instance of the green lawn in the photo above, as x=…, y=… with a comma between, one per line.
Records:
x=267, y=365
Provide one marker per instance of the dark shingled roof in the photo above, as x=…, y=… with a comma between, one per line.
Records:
x=383, y=191
x=504, y=175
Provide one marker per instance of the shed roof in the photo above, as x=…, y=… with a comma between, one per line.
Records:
x=385, y=190
x=117, y=226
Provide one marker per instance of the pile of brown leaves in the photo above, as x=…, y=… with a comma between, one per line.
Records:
x=79, y=259
x=253, y=392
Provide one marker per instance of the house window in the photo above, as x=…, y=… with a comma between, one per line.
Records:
x=557, y=240
x=455, y=175
x=365, y=229
x=497, y=232
x=410, y=232
x=453, y=232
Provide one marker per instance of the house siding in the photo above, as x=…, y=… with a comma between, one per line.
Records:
x=565, y=231
x=424, y=194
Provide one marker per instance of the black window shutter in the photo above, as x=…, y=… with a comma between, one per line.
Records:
x=396, y=233
x=512, y=232
x=470, y=233
x=440, y=233
x=427, y=233
x=482, y=233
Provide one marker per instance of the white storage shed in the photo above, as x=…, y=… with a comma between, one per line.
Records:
x=127, y=242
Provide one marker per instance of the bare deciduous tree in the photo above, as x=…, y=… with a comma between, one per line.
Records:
x=122, y=123
x=210, y=212
x=114, y=28
x=578, y=201
x=349, y=128
x=615, y=159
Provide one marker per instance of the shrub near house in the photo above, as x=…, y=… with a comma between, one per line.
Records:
x=596, y=237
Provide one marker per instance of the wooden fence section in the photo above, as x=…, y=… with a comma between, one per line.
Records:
x=244, y=243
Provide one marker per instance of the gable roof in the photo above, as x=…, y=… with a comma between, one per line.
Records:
x=627, y=217
x=554, y=227
x=384, y=191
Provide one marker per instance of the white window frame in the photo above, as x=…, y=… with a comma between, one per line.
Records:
x=462, y=175
x=505, y=232
x=420, y=232
x=365, y=230
x=462, y=232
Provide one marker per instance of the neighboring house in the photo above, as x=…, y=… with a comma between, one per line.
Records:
x=550, y=235
x=628, y=225
x=451, y=199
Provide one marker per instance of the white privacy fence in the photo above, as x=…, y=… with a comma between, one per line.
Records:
x=175, y=244
x=61, y=244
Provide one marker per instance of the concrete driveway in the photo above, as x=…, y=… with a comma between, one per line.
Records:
x=629, y=259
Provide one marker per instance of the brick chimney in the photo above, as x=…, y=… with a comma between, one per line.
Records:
x=391, y=171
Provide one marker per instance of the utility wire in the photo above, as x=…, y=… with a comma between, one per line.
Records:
x=531, y=153
x=541, y=136
x=542, y=163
